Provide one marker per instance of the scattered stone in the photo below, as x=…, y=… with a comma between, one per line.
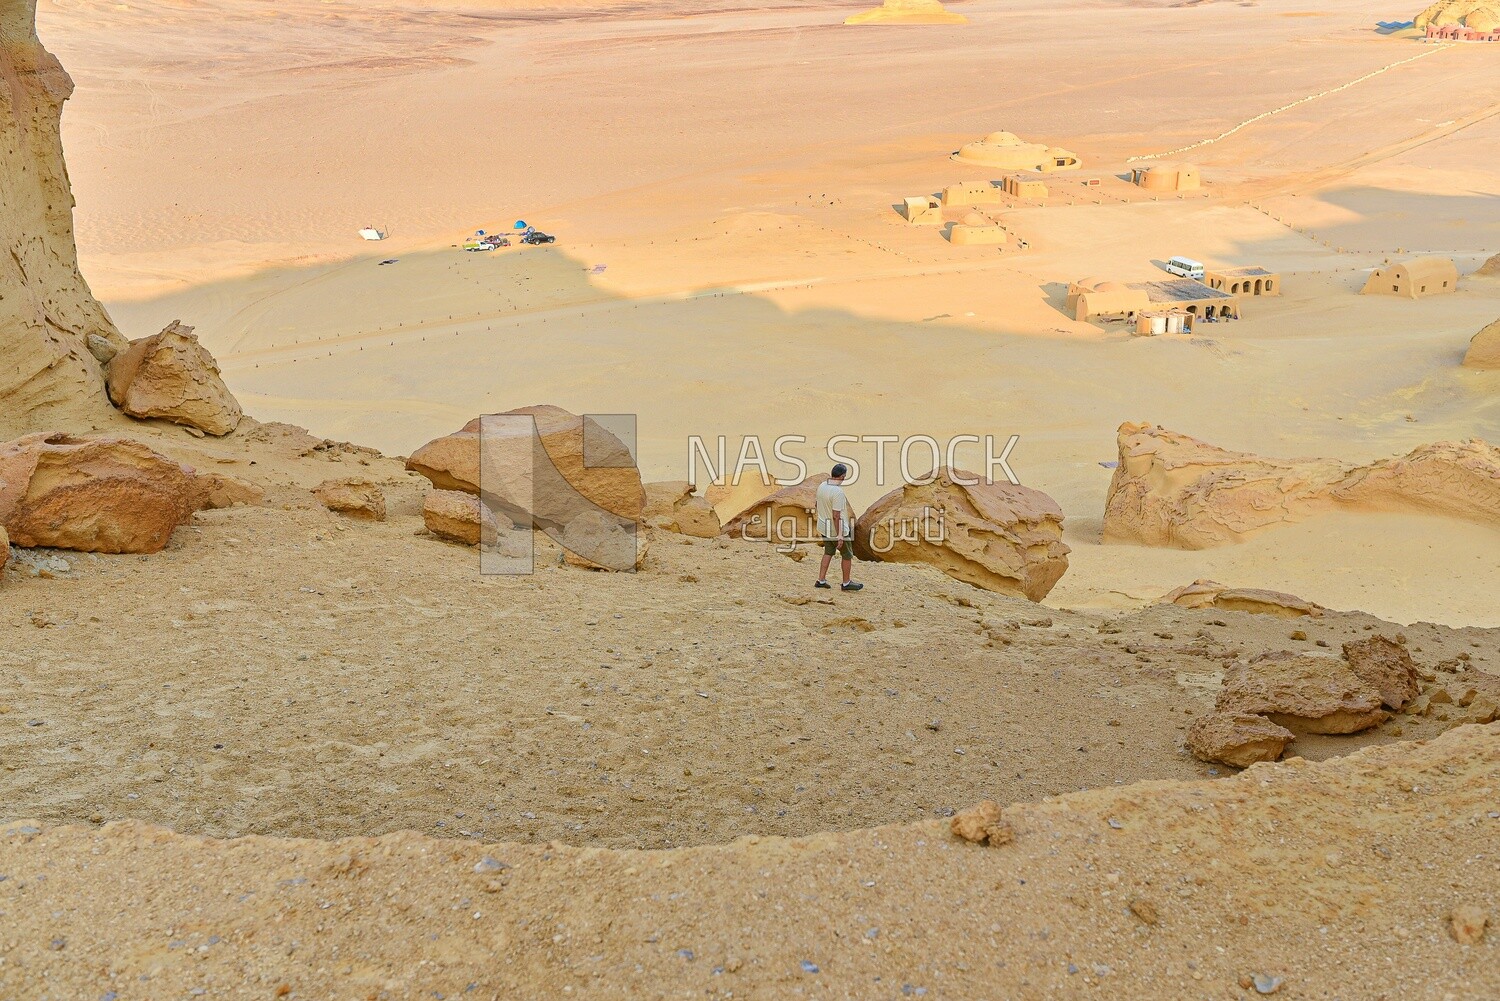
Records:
x=171, y=376
x=490, y=864
x=212, y=491
x=1237, y=738
x=353, y=497
x=1467, y=924
x=982, y=824
x=1266, y=984
x=1145, y=911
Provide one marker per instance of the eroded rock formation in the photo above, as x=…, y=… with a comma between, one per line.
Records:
x=1204, y=593
x=997, y=536
x=456, y=516
x=569, y=466
x=172, y=377
x=673, y=507
x=1484, y=348
x=105, y=495
x=48, y=316
x=1481, y=15
x=1173, y=490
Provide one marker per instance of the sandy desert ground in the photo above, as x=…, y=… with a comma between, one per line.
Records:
x=300, y=755
x=735, y=180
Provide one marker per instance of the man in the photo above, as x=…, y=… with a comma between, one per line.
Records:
x=836, y=526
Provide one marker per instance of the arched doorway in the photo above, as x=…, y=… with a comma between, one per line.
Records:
x=1257, y=286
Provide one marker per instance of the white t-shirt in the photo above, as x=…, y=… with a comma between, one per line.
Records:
x=831, y=498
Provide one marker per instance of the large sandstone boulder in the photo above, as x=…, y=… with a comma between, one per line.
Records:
x=1386, y=667
x=355, y=498
x=172, y=377
x=783, y=517
x=107, y=495
x=732, y=498
x=1484, y=349
x=568, y=467
x=997, y=536
x=1173, y=490
x=672, y=507
x=48, y=375
x=1306, y=694
x=1237, y=738
x=1204, y=593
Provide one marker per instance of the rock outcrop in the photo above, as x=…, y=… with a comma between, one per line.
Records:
x=1173, y=490
x=1484, y=348
x=996, y=536
x=107, y=495
x=1481, y=15
x=908, y=12
x=672, y=506
x=456, y=516
x=48, y=375
x=1305, y=694
x=1236, y=738
x=1204, y=593
x=172, y=377
x=568, y=466
x=353, y=497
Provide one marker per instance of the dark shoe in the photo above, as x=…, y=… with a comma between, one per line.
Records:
x=851, y=586
x=822, y=583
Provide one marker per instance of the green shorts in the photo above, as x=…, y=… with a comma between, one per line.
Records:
x=845, y=546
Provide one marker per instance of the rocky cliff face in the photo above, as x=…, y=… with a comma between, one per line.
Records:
x=47, y=312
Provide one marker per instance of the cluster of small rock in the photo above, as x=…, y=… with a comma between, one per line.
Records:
x=1266, y=701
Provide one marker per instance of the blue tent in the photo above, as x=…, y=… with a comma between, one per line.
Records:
x=521, y=224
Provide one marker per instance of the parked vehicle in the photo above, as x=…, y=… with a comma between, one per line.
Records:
x=1185, y=267
x=534, y=238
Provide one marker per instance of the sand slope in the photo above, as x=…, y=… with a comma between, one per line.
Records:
x=1372, y=853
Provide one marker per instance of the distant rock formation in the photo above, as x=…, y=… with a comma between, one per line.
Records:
x=907, y=12
x=1489, y=268
x=102, y=495
x=1173, y=490
x=1204, y=593
x=1484, y=349
x=48, y=316
x=997, y=536
x=1481, y=15
x=172, y=377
